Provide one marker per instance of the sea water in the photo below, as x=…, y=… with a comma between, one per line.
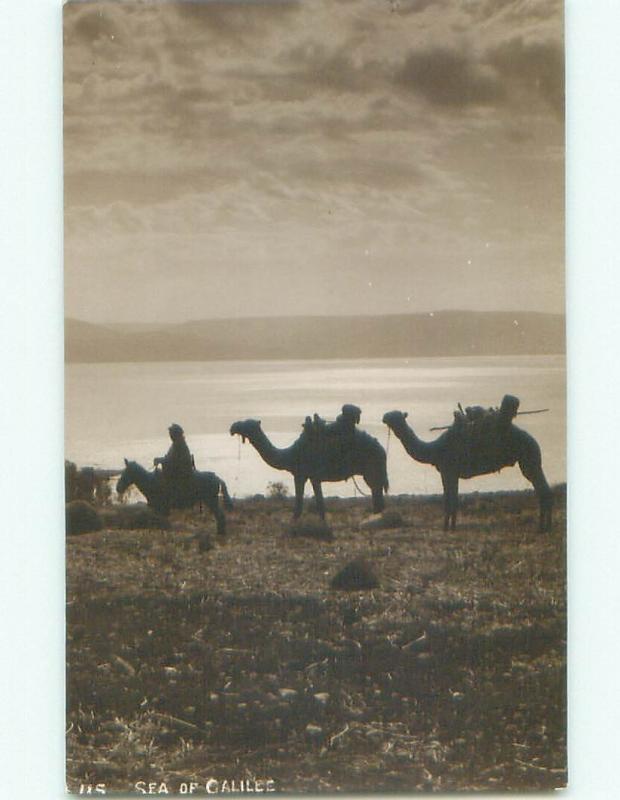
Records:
x=123, y=410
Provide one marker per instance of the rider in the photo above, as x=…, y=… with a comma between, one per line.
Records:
x=347, y=420
x=177, y=465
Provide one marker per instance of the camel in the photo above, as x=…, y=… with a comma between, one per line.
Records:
x=325, y=458
x=453, y=459
x=203, y=486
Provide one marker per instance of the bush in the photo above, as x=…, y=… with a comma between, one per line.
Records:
x=81, y=517
x=356, y=575
x=134, y=517
x=277, y=489
x=86, y=484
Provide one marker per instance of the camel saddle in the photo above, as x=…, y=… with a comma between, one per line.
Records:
x=482, y=428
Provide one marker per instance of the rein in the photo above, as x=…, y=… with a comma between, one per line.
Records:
x=238, y=470
x=364, y=494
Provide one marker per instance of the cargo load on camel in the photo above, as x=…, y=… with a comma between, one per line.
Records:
x=482, y=432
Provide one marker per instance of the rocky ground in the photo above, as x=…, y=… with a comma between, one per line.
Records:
x=196, y=658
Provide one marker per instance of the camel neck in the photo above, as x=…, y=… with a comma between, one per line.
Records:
x=418, y=449
x=276, y=457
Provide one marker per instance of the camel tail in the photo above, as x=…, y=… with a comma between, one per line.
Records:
x=228, y=504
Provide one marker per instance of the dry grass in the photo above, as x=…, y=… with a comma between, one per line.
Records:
x=240, y=660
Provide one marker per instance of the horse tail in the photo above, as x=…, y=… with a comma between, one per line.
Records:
x=228, y=504
x=384, y=478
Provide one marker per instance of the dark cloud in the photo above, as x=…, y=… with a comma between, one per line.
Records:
x=90, y=25
x=537, y=67
x=235, y=20
x=450, y=78
x=406, y=7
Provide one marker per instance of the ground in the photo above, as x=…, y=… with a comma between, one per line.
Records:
x=238, y=661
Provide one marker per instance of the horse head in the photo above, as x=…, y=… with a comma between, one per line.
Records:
x=127, y=477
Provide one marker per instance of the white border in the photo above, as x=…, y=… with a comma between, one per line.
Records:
x=32, y=585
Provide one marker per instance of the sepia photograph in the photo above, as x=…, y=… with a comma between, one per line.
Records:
x=315, y=396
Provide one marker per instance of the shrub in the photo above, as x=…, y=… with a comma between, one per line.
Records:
x=81, y=517
x=86, y=484
x=356, y=575
x=277, y=489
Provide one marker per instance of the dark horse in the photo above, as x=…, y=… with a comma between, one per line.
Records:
x=203, y=487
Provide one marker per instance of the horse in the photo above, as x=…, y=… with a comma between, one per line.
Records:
x=201, y=487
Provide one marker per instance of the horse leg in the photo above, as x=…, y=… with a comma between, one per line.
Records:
x=535, y=475
x=220, y=519
x=299, y=495
x=318, y=496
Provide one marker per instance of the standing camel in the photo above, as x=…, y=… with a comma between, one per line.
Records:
x=328, y=458
x=454, y=458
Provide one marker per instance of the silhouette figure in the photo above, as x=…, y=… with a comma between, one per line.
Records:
x=477, y=446
x=177, y=466
x=199, y=487
x=322, y=453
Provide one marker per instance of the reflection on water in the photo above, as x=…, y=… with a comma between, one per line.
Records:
x=123, y=410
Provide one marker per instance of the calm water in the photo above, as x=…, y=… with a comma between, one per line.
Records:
x=123, y=410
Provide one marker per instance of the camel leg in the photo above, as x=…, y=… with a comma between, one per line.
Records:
x=455, y=500
x=536, y=476
x=299, y=496
x=378, y=500
x=318, y=495
x=450, y=499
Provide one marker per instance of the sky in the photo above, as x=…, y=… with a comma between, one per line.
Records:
x=275, y=157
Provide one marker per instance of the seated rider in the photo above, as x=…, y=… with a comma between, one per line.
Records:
x=177, y=465
x=346, y=421
x=508, y=409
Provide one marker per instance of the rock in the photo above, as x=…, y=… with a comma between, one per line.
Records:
x=314, y=731
x=287, y=694
x=356, y=575
x=81, y=517
x=322, y=698
x=385, y=520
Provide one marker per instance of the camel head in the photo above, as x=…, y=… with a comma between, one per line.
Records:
x=395, y=420
x=246, y=428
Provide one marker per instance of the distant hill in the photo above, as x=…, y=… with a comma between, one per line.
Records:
x=443, y=333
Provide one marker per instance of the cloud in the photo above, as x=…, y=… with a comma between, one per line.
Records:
x=294, y=136
x=314, y=65
x=535, y=67
x=450, y=78
x=92, y=25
